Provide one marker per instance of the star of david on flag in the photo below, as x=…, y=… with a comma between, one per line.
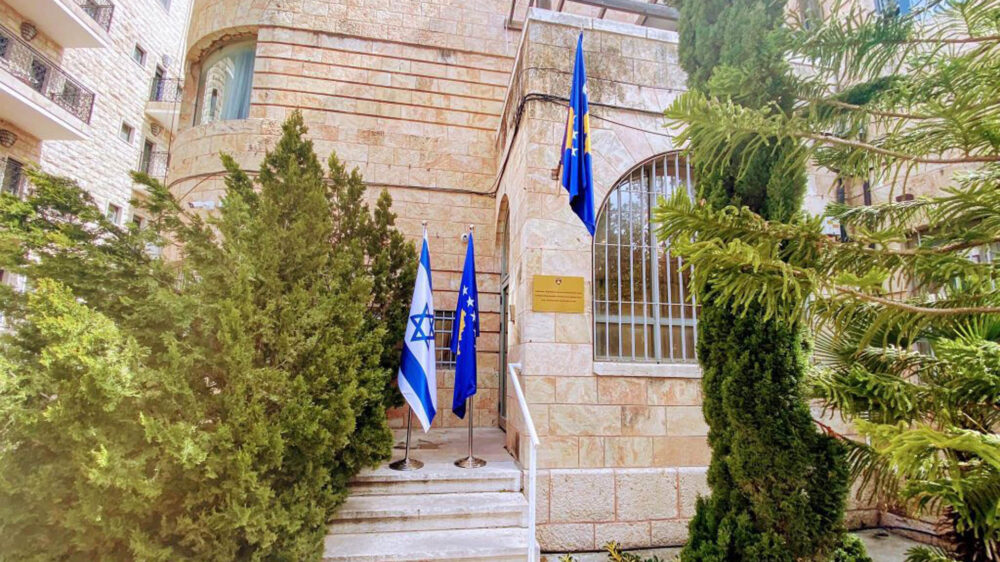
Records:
x=423, y=325
x=417, y=377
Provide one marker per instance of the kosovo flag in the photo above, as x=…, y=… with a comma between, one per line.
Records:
x=464, y=331
x=577, y=176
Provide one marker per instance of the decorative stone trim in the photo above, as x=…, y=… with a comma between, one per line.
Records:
x=654, y=370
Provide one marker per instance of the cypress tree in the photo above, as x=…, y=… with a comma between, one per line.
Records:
x=778, y=484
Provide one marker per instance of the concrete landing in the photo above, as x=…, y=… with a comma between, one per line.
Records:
x=440, y=512
x=882, y=546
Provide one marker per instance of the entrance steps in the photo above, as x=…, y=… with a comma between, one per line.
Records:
x=440, y=512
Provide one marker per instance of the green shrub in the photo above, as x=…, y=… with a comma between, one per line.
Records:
x=210, y=408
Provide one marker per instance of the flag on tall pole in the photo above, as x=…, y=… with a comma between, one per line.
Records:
x=464, y=331
x=577, y=175
x=417, y=377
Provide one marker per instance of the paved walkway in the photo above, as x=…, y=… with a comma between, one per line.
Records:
x=882, y=547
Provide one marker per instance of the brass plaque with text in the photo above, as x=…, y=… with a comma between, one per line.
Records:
x=556, y=293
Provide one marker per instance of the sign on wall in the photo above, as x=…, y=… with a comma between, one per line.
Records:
x=556, y=293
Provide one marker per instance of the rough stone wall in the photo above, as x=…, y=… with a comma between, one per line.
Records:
x=102, y=162
x=622, y=455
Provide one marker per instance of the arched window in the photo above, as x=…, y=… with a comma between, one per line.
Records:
x=643, y=307
x=225, y=82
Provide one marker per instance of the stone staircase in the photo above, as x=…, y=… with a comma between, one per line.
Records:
x=440, y=512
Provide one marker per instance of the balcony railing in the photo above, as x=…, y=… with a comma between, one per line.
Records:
x=101, y=11
x=22, y=61
x=155, y=164
x=166, y=89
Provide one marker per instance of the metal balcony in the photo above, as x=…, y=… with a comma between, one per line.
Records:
x=650, y=13
x=37, y=95
x=99, y=11
x=166, y=89
x=70, y=23
x=154, y=164
x=165, y=101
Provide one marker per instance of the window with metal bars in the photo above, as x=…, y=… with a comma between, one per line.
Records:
x=643, y=307
x=11, y=176
x=443, y=320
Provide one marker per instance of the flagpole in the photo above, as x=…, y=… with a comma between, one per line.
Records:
x=471, y=461
x=406, y=463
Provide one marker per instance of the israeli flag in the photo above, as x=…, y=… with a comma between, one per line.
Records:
x=417, y=377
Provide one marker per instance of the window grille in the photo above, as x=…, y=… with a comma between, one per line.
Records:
x=443, y=321
x=11, y=176
x=643, y=307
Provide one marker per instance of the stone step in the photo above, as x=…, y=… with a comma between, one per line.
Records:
x=437, y=478
x=423, y=512
x=493, y=545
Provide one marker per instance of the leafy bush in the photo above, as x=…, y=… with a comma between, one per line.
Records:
x=211, y=407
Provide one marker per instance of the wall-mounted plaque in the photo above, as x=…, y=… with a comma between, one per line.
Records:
x=556, y=293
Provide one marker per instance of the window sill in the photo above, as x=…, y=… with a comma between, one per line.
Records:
x=655, y=370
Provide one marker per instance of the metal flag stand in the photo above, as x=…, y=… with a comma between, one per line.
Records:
x=406, y=463
x=470, y=461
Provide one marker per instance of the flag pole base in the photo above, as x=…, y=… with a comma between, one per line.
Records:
x=470, y=462
x=406, y=464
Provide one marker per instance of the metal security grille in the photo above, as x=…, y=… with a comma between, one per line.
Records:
x=643, y=308
x=443, y=320
x=12, y=179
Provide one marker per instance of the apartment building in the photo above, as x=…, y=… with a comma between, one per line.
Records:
x=88, y=90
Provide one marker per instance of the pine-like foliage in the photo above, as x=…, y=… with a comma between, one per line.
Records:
x=209, y=408
x=906, y=309
x=778, y=484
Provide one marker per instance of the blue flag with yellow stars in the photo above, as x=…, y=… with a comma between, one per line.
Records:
x=464, y=331
x=577, y=176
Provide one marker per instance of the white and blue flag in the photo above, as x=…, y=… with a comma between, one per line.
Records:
x=417, y=377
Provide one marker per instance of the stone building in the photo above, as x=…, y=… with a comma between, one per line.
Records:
x=88, y=90
x=457, y=109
